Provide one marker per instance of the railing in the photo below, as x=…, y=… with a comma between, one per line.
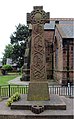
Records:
x=8, y=90
x=62, y=91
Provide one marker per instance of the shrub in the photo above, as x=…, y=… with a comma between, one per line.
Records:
x=7, y=67
x=3, y=71
x=13, y=98
x=9, y=102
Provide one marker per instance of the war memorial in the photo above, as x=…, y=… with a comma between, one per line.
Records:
x=38, y=103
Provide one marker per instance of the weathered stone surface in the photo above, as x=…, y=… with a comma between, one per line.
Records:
x=38, y=91
x=37, y=109
x=37, y=18
x=26, y=66
x=35, y=117
x=7, y=113
x=55, y=103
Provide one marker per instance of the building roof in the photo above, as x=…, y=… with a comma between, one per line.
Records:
x=52, y=23
x=66, y=30
x=66, y=26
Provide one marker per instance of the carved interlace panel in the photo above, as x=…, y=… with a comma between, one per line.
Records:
x=37, y=18
x=38, y=69
x=38, y=15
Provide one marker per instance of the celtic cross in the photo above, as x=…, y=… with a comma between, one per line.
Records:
x=38, y=17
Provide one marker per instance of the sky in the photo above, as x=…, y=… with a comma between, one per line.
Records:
x=13, y=12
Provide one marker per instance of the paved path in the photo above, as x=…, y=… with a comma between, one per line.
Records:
x=17, y=81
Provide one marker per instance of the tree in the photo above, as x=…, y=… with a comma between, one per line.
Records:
x=18, y=40
x=7, y=53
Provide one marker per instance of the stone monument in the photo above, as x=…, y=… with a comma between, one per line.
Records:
x=38, y=99
x=26, y=66
x=38, y=87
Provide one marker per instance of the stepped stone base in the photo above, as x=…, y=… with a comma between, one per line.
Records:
x=36, y=117
x=55, y=103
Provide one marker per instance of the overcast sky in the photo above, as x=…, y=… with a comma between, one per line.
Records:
x=13, y=12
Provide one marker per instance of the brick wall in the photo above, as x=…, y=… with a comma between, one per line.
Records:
x=70, y=59
x=59, y=61
x=58, y=57
x=49, y=36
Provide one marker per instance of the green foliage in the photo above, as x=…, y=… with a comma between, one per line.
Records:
x=18, y=40
x=9, y=102
x=13, y=98
x=7, y=67
x=7, y=53
x=3, y=71
x=0, y=99
x=16, y=49
x=20, y=34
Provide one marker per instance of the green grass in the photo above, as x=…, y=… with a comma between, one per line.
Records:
x=0, y=99
x=4, y=79
x=0, y=72
x=4, y=87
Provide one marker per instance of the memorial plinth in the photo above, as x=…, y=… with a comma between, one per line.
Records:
x=55, y=103
x=38, y=91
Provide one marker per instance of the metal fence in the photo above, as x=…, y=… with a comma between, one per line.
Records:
x=62, y=91
x=8, y=90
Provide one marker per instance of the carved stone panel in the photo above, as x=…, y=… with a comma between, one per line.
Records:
x=38, y=15
x=38, y=68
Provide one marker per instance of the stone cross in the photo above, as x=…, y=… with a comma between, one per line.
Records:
x=38, y=87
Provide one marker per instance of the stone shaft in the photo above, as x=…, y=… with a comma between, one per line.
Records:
x=38, y=87
x=38, y=68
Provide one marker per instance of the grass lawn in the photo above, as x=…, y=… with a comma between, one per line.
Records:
x=4, y=79
x=4, y=87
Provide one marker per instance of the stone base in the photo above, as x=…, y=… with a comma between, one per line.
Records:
x=25, y=74
x=55, y=103
x=35, y=116
x=25, y=78
x=38, y=91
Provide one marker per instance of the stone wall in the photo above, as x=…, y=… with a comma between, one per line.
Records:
x=70, y=59
x=58, y=57
x=49, y=37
